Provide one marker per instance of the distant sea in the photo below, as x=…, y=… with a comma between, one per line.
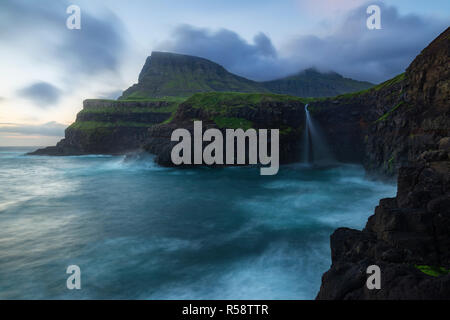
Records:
x=139, y=231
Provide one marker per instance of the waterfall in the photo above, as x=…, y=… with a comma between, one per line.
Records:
x=306, y=139
x=315, y=147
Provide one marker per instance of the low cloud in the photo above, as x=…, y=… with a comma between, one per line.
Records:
x=42, y=94
x=358, y=52
x=50, y=129
x=350, y=49
x=225, y=47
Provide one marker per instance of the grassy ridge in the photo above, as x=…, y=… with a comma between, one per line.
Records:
x=115, y=110
x=378, y=87
x=125, y=110
x=312, y=83
x=233, y=123
x=176, y=75
x=223, y=101
x=218, y=102
x=221, y=105
x=93, y=125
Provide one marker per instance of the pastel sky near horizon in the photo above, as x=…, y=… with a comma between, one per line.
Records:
x=47, y=70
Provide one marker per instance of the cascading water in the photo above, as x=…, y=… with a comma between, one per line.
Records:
x=315, y=148
x=306, y=143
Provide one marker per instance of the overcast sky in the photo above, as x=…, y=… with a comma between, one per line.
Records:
x=47, y=70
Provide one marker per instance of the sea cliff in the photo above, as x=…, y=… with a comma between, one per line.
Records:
x=399, y=129
x=408, y=237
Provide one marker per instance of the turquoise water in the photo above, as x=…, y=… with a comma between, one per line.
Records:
x=138, y=231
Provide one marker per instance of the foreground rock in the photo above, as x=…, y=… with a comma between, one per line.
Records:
x=406, y=234
x=408, y=237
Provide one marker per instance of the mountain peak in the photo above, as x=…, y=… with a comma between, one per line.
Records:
x=160, y=61
x=313, y=83
x=161, y=58
x=156, y=55
x=180, y=75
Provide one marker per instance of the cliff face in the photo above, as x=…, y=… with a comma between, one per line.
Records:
x=408, y=237
x=399, y=127
x=167, y=79
x=111, y=127
x=390, y=125
x=365, y=127
x=234, y=111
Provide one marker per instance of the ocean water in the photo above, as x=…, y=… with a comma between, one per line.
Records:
x=139, y=231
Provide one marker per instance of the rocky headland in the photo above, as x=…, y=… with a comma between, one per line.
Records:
x=399, y=129
x=234, y=111
x=408, y=237
x=111, y=127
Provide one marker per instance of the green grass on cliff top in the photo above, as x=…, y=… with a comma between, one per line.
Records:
x=233, y=123
x=220, y=101
x=173, y=105
x=93, y=125
x=167, y=109
x=378, y=87
x=136, y=97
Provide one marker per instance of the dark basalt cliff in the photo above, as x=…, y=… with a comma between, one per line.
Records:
x=166, y=80
x=392, y=124
x=234, y=111
x=110, y=127
x=354, y=123
x=408, y=237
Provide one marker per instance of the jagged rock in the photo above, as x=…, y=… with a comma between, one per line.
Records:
x=392, y=124
x=110, y=127
x=412, y=229
x=263, y=111
x=444, y=144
